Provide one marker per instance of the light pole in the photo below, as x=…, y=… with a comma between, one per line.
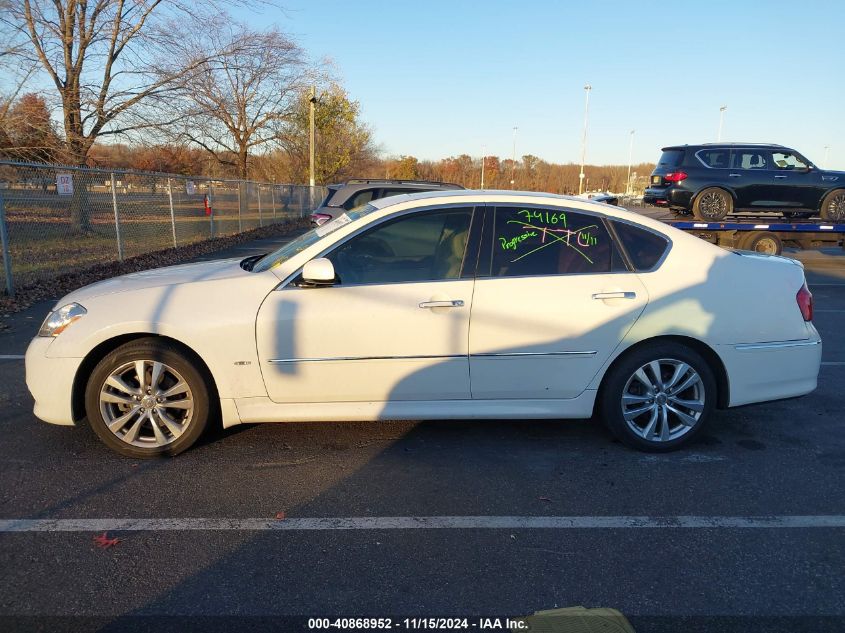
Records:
x=587, y=89
x=513, y=157
x=826, y=154
x=721, y=120
x=630, y=157
x=312, y=100
x=483, y=160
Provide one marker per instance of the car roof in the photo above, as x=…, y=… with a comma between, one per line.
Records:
x=340, y=193
x=727, y=145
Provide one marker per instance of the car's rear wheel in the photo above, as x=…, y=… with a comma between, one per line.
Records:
x=712, y=204
x=147, y=399
x=761, y=242
x=658, y=397
x=833, y=206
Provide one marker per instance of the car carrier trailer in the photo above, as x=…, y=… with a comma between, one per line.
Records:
x=761, y=234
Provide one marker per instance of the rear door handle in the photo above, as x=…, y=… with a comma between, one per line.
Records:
x=457, y=303
x=615, y=295
x=780, y=176
x=735, y=175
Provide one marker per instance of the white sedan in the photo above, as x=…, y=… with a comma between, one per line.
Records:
x=461, y=304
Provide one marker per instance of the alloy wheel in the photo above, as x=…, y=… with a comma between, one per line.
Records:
x=663, y=400
x=836, y=208
x=146, y=403
x=713, y=205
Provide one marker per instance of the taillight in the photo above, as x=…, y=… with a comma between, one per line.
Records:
x=675, y=176
x=805, y=302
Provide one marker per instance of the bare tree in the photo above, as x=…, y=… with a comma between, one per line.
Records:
x=242, y=95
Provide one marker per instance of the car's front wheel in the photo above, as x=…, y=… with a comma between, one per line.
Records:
x=147, y=399
x=712, y=205
x=658, y=397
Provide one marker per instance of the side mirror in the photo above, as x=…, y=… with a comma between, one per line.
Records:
x=318, y=272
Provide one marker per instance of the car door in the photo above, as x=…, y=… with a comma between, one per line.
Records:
x=794, y=185
x=750, y=176
x=552, y=300
x=394, y=326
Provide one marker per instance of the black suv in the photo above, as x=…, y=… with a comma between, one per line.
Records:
x=712, y=180
x=354, y=193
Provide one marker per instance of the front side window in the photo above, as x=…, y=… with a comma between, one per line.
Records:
x=427, y=246
x=788, y=160
x=553, y=241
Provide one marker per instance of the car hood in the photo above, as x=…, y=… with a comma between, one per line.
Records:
x=159, y=277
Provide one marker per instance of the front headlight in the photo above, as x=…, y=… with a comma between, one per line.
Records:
x=59, y=320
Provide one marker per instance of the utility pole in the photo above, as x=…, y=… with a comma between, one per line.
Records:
x=587, y=89
x=312, y=101
x=628, y=188
x=721, y=120
x=483, y=160
x=826, y=154
x=513, y=158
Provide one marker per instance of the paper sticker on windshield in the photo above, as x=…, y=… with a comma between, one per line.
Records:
x=335, y=224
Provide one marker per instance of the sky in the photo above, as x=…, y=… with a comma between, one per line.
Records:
x=440, y=78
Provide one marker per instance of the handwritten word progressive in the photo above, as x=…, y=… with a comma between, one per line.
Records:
x=511, y=244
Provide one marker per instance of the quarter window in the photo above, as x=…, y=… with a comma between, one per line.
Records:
x=714, y=158
x=425, y=246
x=644, y=248
x=362, y=197
x=551, y=241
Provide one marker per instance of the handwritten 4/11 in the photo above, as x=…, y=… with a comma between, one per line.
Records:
x=583, y=238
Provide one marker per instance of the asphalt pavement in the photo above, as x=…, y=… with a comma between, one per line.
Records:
x=432, y=519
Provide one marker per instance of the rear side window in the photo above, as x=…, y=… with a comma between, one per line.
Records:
x=644, y=248
x=362, y=197
x=553, y=241
x=671, y=158
x=750, y=159
x=715, y=158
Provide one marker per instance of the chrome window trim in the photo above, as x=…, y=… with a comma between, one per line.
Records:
x=747, y=347
x=280, y=361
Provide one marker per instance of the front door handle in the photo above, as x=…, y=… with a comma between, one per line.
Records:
x=615, y=295
x=735, y=175
x=457, y=303
x=780, y=176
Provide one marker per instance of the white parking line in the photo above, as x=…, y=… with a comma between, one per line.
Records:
x=425, y=523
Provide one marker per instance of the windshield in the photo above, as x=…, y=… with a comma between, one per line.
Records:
x=294, y=247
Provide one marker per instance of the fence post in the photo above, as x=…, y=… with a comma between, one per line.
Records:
x=172, y=214
x=240, y=225
x=7, y=259
x=260, y=218
x=116, y=219
x=210, y=191
x=273, y=199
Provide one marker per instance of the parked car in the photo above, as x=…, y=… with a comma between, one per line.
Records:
x=354, y=193
x=713, y=180
x=601, y=196
x=577, y=307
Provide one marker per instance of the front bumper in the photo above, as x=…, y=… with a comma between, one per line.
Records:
x=50, y=381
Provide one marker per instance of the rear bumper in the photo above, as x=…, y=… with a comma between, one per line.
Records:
x=771, y=371
x=50, y=381
x=671, y=196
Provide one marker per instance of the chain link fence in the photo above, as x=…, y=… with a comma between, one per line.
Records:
x=56, y=219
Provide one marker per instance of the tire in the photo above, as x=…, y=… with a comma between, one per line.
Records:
x=114, y=396
x=833, y=206
x=762, y=242
x=712, y=204
x=797, y=215
x=627, y=380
